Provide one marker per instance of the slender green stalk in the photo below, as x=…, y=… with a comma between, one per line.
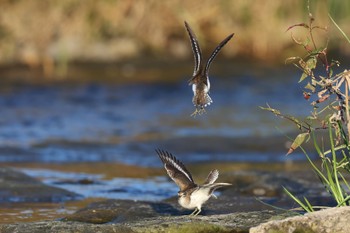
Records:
x=338, y=192
x=341, y=31
x=306, y=207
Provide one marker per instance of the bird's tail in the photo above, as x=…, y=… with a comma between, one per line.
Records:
x=208, y=100
x=201, y=102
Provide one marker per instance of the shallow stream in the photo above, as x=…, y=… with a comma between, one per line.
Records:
x=62, y=133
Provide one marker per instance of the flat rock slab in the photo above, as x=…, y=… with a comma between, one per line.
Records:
x=63, y=227
x=124, y=211
x=325, y=221
x=16, y=186
x=237, y=222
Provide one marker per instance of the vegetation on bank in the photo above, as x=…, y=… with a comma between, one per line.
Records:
x=328, y=94
x=55, y=33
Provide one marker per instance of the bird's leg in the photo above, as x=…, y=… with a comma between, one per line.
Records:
x=194, y=114
x=201, y=111
x=193, y=213
x=198, y=211
x=198, y=111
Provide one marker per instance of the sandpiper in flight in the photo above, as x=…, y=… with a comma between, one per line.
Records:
x=191, y=195
x=200, y=78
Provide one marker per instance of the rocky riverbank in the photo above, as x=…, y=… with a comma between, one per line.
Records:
x=240, y=208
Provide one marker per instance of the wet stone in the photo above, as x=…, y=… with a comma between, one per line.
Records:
x=253, y=183
x=118, y=211
x=96, y=216
x=18, y=187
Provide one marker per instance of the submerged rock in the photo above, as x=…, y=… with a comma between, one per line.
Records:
x=16, y=186
x=324, y=221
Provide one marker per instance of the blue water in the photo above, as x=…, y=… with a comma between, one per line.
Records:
x=150, y=189
x=125, y=123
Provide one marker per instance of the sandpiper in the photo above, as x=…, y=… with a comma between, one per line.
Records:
x=200, y=78
x=191, y=195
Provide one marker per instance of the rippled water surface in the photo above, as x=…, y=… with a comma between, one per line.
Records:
x=125, y=123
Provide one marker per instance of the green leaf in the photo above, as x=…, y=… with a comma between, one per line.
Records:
x=274, y=111
x=313, y=82
x=297, y=142
x=292, y=59
x=303, y=76
x=306, y=42
x=311, y=63
x=310, y=87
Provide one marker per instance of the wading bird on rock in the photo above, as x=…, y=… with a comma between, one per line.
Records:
x=191, y=195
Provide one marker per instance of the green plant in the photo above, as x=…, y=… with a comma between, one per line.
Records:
x=330, y=110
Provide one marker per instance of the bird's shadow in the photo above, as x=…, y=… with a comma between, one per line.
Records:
x=167, y=209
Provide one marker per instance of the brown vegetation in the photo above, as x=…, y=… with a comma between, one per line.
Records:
x=57, y=32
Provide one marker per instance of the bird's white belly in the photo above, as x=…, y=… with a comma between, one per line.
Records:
x=194, y=89
x=198, y=198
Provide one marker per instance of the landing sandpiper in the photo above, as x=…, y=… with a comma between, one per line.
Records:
x=200, y=78
x=191, y=195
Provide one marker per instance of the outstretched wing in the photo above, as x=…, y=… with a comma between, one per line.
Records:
x=215, y=52
x=215, y=186
x=196, y=50
x=212, y=177
x=176, y=170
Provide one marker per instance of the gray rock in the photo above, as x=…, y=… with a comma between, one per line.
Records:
x=237, y=222
x=119, y=211
x=62, y=227
x=324, y=221
x=123, y=211
x=18, y=187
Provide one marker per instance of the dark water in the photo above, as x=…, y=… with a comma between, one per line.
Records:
x=125, y=123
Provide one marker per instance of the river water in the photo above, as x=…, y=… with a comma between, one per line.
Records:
x=125, y=123
x=97, y=122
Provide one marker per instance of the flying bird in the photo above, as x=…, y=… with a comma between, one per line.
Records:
x=200, y=78
x=191, y=195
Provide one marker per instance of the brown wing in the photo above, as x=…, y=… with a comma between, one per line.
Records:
x=197, y=53
x=212, y=177
x=215, y=52
x=176, y=170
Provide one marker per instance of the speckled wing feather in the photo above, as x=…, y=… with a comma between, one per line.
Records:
x=215, y=52
x=212, y=177
x=176, y=170
x=196, y=50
